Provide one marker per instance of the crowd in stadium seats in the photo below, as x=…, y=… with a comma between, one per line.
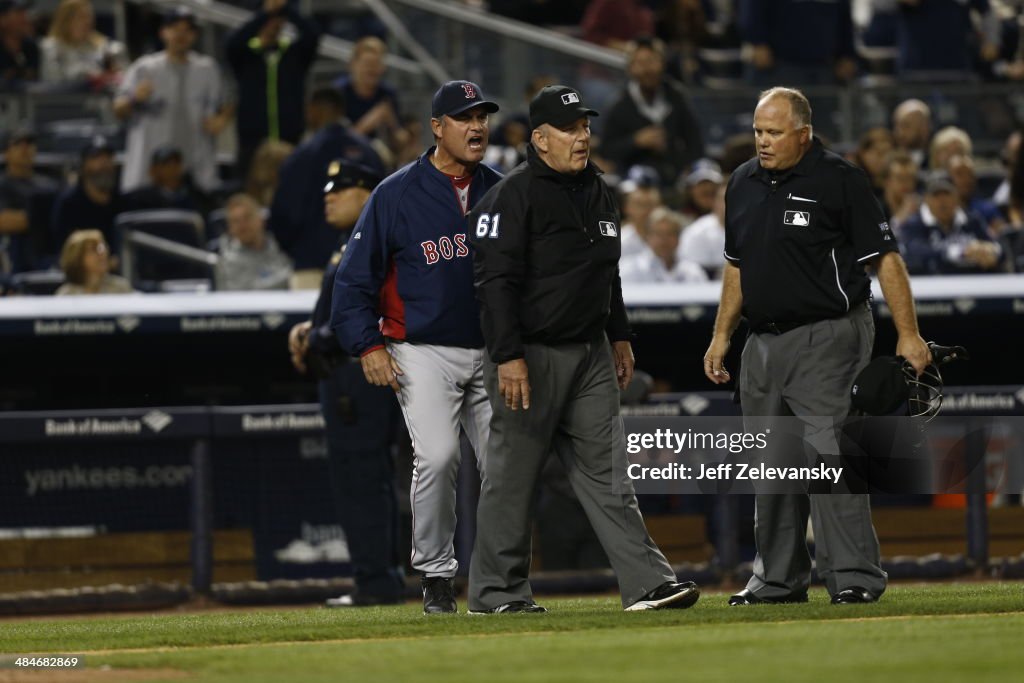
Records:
x=953, y=211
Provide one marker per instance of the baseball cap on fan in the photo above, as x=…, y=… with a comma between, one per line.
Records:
x=558, y=105
x=455, y=97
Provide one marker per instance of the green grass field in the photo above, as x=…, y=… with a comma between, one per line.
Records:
x=968, y=632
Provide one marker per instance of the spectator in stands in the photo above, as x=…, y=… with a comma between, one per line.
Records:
x=961, y=171
x=1013, y=238
x=873, y=152
x=407, y=141
x=264, y=172
x=173, y=97
x=652, y=123
x=92, y=203
x=944, y=239
x=169, y=186
x=947, y=143
x=912, y=129
x=935, y=38
x=510, y=137
x=900, y=200
x=737, y=149
x=1008, y=156
x=19, y=52
x=370, y=103
x=24, y=198
x=271, y=73
x=703, y=241
x=74, y=53
x=614, y=23
x=661, y=262
x=698, y=188
x=85, y=260
x=798, y=43
x=296, y=212
x=249, y=255
x=640, y=196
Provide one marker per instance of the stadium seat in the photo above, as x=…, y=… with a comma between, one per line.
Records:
x=148, y=268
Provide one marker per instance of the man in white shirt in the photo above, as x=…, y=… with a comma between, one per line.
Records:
x=703, y=241
x=660, y=262
x=173, y=97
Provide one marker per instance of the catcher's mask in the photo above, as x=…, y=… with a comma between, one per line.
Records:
x=889, y=382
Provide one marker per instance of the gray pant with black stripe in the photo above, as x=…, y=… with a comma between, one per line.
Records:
x=574, y=412
x=808, y=372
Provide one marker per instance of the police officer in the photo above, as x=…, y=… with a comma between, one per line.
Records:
x=361, y=419
x=546, y=242
x=801, y=225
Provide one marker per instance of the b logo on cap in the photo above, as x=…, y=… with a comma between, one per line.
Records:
x=470, y=90
x=570, y=98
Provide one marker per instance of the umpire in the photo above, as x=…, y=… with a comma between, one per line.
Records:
x=361, y=419
x=546, y=242
x=801, y=226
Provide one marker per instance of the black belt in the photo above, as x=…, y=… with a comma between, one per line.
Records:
x=782, y=328
x=777, y=328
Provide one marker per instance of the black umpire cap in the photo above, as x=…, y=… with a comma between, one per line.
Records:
x=455, y=97
x=342, y=175
x=881, y=387
x=558, y=105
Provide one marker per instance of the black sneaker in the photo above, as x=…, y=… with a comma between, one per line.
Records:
x=668, y=595
x=360, y=600
x=438, y=595
x=515, y=607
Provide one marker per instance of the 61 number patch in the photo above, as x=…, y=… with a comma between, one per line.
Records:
x=487, y=225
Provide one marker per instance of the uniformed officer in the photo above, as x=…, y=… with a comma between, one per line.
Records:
x=546, y=256
x=361, y=419
x=801, y=225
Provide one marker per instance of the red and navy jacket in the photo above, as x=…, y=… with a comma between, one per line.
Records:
x=407, y=273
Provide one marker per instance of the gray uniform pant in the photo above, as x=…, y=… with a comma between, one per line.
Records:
x=808, y=372
x=441, y=389
x=574, y=412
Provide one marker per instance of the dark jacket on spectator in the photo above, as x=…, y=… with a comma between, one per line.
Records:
x=259, y=70
x=356, y=107
x=29, y=250
x=150, y=197
x=928, y=250
x=297, y=210
x=16, y=69
x=935, y=35
x=74, y=210
x=684, y=142
x=806, y=33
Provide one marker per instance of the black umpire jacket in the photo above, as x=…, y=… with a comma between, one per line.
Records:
x=546, y=260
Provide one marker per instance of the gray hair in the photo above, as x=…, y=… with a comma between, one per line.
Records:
x=663, y=214
x=798, y=103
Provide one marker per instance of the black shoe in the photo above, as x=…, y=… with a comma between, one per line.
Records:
x=515, y=607
x=438, y=595
x=746, y=597
x=361, y=600
x=668, y=595
x=854, y=595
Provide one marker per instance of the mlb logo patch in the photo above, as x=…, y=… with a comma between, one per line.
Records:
x=607, y=228
x=802, y=218
x=570, y=98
